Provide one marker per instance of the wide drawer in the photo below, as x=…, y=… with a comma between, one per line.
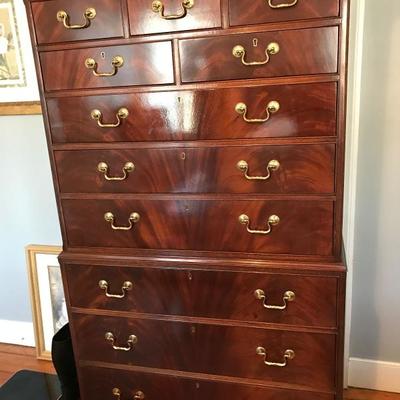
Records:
x=137, y=64
x=264, y=11
x=295, y=227
x=280, y=53
x=70, y=20
x=213, y=349
x=256, y=297
x=229, y=169
x=157, y=16
x=101, y=383
x=305, y=110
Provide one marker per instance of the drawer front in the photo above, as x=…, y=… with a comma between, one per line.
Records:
x=264, y=11
x=137, y=64
x=305, y=110
x=212, y=349
x=301, y=52
x=72, y=20
x=98, y=384
x=228, y=169
x=146, y=19
x=208, y=294
x=305, y=227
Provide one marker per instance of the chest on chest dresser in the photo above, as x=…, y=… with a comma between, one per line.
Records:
x=197, y=156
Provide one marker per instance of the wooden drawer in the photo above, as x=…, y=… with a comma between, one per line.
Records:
x=143, y=19
x=104, y=22
x=263, y=11
x=305, y=227
x=211, y=349
x=305, y=110
x=208, y=294
x=291, y=169
x=98, y=384
x=66, y=69
x=301, y=52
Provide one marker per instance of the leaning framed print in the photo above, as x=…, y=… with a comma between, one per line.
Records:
x=47, y=296
x=18, y=84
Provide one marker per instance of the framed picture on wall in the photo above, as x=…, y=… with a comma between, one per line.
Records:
x=47, y=295
x=18, y=83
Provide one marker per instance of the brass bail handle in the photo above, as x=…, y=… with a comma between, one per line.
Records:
x=272, y=221
x=272, y=166
x=121, y=114
x=158, y=7
x=139, y=395
x=117, y=62
x=132, y=340
x=287, y=297
x=287, y=355
x=272, y=4
x=272, y=107
x=126, y=287
x=104, y=168
x=133, y=220
x=240, y=52
x=89, y=14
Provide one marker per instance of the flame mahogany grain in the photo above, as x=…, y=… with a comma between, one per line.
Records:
x=207, y=294
x=302, y=52
x=205, y=14
x=258, y=12
x=306, y=111
x=213, y=349
x=106, y=24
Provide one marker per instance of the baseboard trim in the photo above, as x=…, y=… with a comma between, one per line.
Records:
x=17, y=332
x=375, y=375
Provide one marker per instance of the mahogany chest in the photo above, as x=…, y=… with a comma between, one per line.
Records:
x=197, y=150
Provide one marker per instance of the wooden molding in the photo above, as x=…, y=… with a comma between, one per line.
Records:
x=21, y=108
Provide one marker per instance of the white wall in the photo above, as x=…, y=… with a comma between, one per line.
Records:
x=28, y=209
x=375, y=325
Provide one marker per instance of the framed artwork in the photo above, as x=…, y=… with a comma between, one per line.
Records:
x=47, y=296
x=18, y=84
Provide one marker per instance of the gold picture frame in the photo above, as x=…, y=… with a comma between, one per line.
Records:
x=19, y=94
x=42, y=265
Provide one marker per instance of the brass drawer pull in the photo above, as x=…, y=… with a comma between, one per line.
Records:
x=282, y=5
x=272, y=221
x=126, y=286
x=133, y=219
x=288, y=355
x=240, y=52
x=128, y=167
x=287, y=297
x=97, y=115
x=139, y=395
x=132, y=340
x=89, y=14
x=158, y=7
x=243, y=166
x=117, y=62
x=272, y=108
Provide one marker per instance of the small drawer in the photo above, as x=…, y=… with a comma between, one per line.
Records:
x=228, y=169
x=130, y=65
x=260, y=55
x=102, y=383
x=299, y=358
x=71, y=20
x=285, y=299
x=304, y=110
x=159, y=16
x=253, y=226
x=264, y=11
